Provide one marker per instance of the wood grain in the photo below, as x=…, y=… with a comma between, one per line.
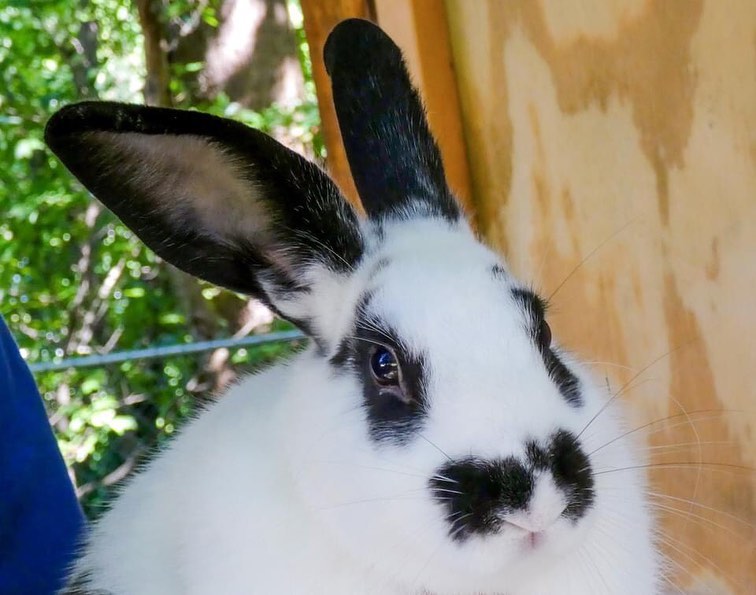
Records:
x=612, y=149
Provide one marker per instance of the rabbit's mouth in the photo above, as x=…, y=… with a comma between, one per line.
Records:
x=523, y=498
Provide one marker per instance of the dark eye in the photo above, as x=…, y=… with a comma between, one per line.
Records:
x=544, y=336
x=384, y=366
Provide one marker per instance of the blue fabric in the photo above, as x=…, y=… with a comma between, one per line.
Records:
x=40, y=519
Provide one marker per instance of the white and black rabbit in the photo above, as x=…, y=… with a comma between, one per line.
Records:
x=432, y=438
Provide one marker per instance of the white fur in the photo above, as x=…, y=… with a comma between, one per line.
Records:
x=277, y=488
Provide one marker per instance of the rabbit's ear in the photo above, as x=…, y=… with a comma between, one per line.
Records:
x=217, y=199
x=394, y=159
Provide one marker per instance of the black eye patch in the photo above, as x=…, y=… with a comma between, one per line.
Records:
x=394, y=412
x=535, y=309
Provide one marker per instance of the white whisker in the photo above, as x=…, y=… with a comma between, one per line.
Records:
x=588, y=257
x=686, y=465
x=711, y=414
x=696, y=518
x=704, y=507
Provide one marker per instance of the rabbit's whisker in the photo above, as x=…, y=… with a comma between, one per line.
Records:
x=728, y=515
x=626, y=385
x=696, y=518
x=434, y=445
x=687, y=465
x=444, y=478
x=588, y=256
x=612, y=364
x=685, y=445
x=698, y=416
x=445, y=491
x=691, y=554
x=305, y=235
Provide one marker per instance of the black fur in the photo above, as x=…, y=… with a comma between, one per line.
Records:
x=568, y=383
x=392, y=418
x=476, y=494
x=394, y=159
x=80, y=585
x=487, y=489
x=310, y=220
x=499, y=272
x=571, y=469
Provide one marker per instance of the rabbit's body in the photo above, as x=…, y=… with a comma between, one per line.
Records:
x=217, y=512
x=220, y=511
x=433, y=439
x=253, y=495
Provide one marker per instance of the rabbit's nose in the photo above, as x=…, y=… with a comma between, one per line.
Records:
x=483, y=496
x=547, y=505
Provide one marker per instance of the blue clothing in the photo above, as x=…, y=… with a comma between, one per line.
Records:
x=40, y=519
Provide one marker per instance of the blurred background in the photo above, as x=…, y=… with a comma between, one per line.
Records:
x=606, y=147
x=73, y=280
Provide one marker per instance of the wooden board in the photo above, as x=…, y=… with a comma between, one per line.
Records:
x=612, y=147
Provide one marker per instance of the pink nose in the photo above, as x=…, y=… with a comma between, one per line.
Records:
x=534, y=521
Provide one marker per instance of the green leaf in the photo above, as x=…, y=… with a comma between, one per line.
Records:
x=26, y=147
x=90, y=385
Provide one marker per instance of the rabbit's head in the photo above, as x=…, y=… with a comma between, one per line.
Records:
x=437, y=431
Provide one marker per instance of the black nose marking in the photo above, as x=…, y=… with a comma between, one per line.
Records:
x=475, y=493
x=572, y=473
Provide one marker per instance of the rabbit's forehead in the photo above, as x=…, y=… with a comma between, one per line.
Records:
x=437, y=285
x=450, y=300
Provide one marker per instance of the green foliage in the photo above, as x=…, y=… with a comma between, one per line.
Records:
x=73, y=280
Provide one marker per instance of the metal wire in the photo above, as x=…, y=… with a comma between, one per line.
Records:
x=91, y=361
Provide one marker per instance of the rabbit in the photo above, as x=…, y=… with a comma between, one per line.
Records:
x=433, y=438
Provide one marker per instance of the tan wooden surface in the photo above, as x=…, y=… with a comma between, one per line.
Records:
x=622, y=134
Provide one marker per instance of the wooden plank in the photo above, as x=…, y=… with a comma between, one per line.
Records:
x=613, y=155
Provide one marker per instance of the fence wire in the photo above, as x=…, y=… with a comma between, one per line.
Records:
x=105, y=359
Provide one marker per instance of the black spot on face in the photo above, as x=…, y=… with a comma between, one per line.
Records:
x=535, y=308
x=396, y=411
x=476, y=494
x=499, y=272
x=571, y=469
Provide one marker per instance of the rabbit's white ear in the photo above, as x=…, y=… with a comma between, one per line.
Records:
x=394, y=159
x=217, y=199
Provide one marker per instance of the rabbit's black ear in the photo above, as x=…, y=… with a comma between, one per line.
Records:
x=394, y=159
x=217, y=199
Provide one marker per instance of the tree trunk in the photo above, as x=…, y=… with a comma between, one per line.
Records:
x=157, y=90
x=251, y=57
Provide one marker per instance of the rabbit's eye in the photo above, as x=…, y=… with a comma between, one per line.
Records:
x=544, y=336
x=384, y=366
